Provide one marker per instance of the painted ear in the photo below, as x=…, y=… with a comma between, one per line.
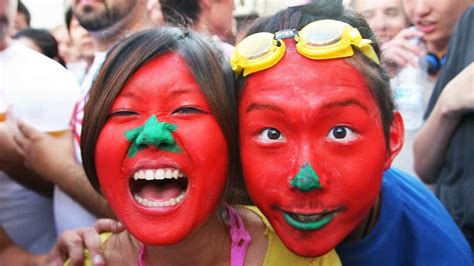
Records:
x=397, y=135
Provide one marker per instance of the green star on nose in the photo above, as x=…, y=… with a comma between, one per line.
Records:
x=306, y=180
x=152, y=133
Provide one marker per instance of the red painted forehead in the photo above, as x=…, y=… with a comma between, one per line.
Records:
x=160, y=67
x=313, y=81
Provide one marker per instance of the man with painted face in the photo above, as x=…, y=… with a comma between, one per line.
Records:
x=318, y=133
x=76, y=202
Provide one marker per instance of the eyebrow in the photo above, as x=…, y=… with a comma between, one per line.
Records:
x=175, y=92
x=180, y=91
x=344, y=103
x=260, y=106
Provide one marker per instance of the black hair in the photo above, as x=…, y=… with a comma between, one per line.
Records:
x=180, y=12
x=44, y=40
x=68, y=18
x=23, y=10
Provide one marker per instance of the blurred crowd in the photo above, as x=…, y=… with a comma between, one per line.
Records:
x=44, y=190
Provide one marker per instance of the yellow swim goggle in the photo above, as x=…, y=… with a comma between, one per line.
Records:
x=322, y=39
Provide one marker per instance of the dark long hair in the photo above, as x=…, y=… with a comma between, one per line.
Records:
x=205, y=62
x=375, y=76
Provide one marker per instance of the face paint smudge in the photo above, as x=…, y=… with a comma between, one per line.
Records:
x=152, y=133
x=306, y=180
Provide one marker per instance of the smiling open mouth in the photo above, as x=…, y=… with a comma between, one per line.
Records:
x=309, y=221
x=163, y=187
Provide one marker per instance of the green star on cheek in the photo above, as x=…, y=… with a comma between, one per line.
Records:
x=152, y=133
x=306, y=180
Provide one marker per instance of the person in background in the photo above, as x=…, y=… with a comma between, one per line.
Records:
x=243, y=23
x=61, y=36
x=154, y=12
x=26, y=213
x=444, y=146
x=76, y=203
x=436, y=21
x=387, y=19
x=82, y=46
x=209, y=17
x=41, y=41
x=11, y=254
x=427, y=40
x=22, y=19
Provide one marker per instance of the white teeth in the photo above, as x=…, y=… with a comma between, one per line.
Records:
x=152, y=203
x=175, y=174
x=158, y=174
x=169, y=174
x=149, y=175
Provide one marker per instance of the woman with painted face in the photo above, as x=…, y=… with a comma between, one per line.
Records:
x=159, y=141
x=318, y=133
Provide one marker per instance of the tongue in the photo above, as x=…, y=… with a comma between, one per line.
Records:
x=160, y=193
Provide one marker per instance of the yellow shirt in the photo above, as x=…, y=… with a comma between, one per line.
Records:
x=278, y=254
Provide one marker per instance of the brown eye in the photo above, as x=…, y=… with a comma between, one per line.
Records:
x=341, y=134
x=271, y=135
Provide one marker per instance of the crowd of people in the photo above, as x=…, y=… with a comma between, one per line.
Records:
x=280, y=144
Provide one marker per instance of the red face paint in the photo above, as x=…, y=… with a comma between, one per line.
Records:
x=313, y=150
x=161, y=128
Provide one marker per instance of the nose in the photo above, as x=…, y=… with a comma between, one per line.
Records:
x=306, y=180
x=421, y=8
x=153, y=133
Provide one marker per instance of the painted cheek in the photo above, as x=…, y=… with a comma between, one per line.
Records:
x=111, y=151
x=207, y=148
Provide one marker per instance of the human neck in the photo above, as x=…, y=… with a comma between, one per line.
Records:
x=367, y=224
x=5, y=43
x=437, y=48
x=201, y=27
x=105, y=38
x=197, y=249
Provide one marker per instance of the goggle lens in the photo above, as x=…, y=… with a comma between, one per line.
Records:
x=256, y=45
x=322, y=33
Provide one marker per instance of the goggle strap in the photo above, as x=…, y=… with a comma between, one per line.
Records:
x=284, y=34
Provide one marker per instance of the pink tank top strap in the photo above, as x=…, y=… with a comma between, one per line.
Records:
x=240, y=237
